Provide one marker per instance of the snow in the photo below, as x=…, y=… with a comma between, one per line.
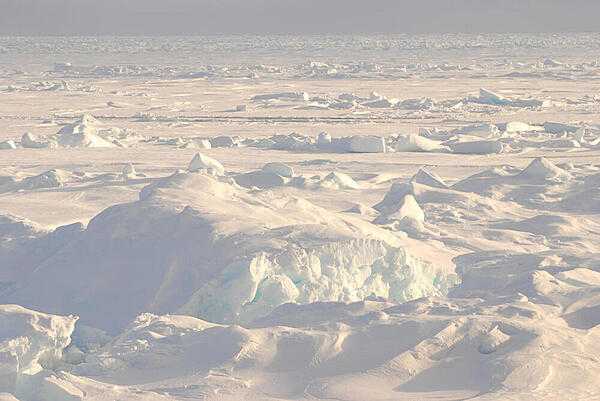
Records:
x=261, y=179
x=14, y=227
x=487, y=96
x=416, y=143
x=289, y=250
x=481, y=130
x=82, y=133
x=129, y=172
x=543, y=169
x=337, y=180
x=201, y=162
x=223, y=142
x=281, y=169
x=324, y=139
x=517, y=126
x=7, y=145
x=407, y=213
x=559, y=128
x=294, y=96
x=30, y=343
x=425, y=177
x=477, y=147
x=49, y=179
x=28, y=140
x=366, y=228
x=199, y=144
x=492, y=98
x=367, y=144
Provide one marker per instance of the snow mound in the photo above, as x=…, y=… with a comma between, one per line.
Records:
x=201, y=162
x=158, y=347
x=407, y=214
x=351, y=144
x=28, y=140
x=281, y=169
x=197, y=143
x=323, y=142
x=428, y=178
x=478, y=130
x=379, y=102
x=547, y=225
x=362, y=210
x=477, y=147
x=211, y=249
x=543, y=169
x=83, y=133
x=416, y=143
x=492, y=340
x=337, y=180
x=366, y=144
x=392, y=197
x=492, y=98
x=261, y=179
x=518, y=126
x=409, y=209
x=129, y=172
x=271, y=175
x=559, y=128
x=55, y=178
x=223, y=141
x=465, y=204
x=362, y=350
x=489, y=97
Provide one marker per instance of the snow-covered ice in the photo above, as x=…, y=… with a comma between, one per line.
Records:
x=350, y=217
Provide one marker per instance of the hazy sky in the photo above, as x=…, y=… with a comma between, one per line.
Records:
x=295, y=16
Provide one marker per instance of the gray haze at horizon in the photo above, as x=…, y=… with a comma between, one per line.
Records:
x=72, y=17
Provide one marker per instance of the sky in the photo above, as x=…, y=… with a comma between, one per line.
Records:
x=167, y=17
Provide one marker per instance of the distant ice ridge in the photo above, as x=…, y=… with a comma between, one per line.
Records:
x=292, y=96
x=478, y=138
x=488, y=97
x=202, y=245
x=84, y=132
x=376, y=101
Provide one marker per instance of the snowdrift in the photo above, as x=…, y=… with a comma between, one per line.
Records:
x=203, y=246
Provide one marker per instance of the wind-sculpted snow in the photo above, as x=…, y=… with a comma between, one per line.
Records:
x=477, y=139
x=204, y=246
x=349, y=217
x=431, y=347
